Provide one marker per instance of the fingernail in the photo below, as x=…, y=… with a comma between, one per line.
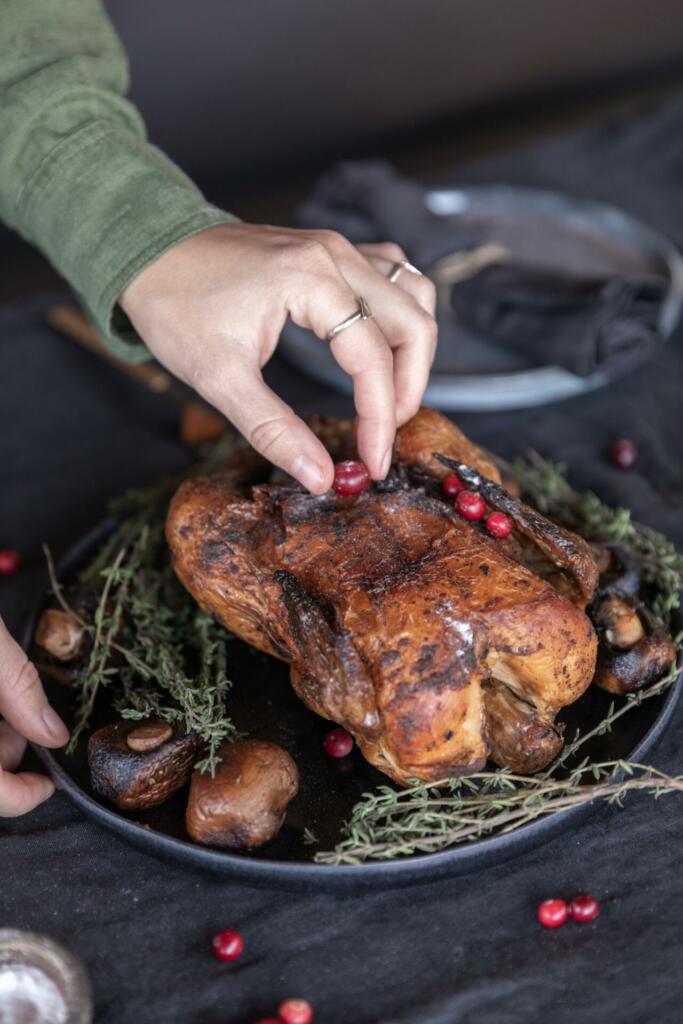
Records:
x=48, y=789
x=386, y=461
x=54, y=725
x=308, y=473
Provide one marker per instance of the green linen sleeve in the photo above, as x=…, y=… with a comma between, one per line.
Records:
x=78, y=177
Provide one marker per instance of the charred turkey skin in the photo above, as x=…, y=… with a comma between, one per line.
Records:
x=430, y=641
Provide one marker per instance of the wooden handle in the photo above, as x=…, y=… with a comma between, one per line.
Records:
x=197, y=423
x=70, y=322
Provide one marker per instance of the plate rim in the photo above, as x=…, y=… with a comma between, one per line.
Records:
x=518, y=389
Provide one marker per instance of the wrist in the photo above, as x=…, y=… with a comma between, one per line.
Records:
x=140, y=289
x=167, y=272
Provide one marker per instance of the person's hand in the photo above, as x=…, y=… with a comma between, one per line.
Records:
x=24, y=715
x=211, y=309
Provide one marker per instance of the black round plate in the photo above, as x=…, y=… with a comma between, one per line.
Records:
x=264, y=706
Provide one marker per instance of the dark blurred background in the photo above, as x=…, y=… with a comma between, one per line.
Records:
x=255, y=99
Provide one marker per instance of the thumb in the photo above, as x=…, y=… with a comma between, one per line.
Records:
x=19, y=794
x=275, y=431
x=12, y=747
x=22, y=700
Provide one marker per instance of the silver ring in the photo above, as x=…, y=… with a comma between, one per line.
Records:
x=402, y=265
x=363, y=313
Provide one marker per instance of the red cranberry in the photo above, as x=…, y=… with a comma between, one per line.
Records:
x=227, y=945
x=452, y=485
x=296, y=1011
x=623, y=453
x=498, y=524
x=470, y=505
x=552, y=913
x=9, y=562
x=338, y=743
x=584, y=907
x=350, y=478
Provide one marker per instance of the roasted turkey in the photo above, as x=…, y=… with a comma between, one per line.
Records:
x=437, y=646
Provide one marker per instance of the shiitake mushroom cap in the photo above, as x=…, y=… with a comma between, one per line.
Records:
x=137, y=780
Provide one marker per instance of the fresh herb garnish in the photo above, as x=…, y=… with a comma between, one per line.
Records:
x=151, y=646
x=545, y=486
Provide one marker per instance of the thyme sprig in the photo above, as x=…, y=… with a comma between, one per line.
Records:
x=105, y=628
x=428, y=818
x=545, y=485
x=150, y=645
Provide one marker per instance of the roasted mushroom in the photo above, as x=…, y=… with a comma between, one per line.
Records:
x=618, y=621
x=622, y=573
x=244, y=804
x=60, y=634
x=634, y=649
x=140, y=765
x=65, y=675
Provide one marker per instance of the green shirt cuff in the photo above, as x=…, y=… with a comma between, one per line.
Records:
x=104, y=205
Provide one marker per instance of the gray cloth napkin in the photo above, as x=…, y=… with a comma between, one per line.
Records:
x=557, y=317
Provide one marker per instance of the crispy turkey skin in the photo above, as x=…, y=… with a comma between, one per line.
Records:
x=434, y=644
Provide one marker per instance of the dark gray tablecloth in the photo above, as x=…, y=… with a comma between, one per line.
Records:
x=467, y=950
